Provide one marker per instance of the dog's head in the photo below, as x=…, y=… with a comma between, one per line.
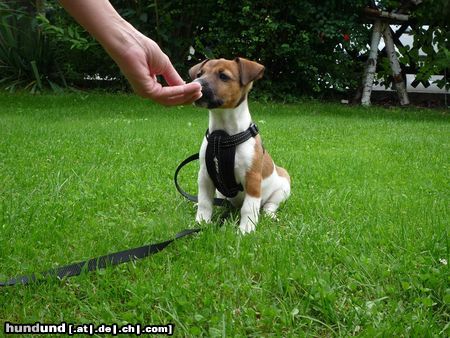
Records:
x=225, y=83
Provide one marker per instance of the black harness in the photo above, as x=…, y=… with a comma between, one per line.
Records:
x=220, y=157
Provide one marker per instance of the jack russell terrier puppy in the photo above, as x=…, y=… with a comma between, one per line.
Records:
x=232, y=157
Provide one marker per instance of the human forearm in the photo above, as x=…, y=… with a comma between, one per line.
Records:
x=103, y=22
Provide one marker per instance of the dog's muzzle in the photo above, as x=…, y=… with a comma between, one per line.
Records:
x=208, y=99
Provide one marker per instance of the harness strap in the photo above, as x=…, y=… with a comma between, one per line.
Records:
x=220, y=158
x=235, y=140
x=193, y=198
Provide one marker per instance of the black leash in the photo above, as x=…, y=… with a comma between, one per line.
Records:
x=116, y=258
x=100, y=262
x=217, y=201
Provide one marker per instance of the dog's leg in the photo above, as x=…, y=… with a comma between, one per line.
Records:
x=270, y=207
x=206, y=191
x=252, y=203
x=249, y=214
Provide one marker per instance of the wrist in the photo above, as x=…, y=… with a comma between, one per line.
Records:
x=117, y=35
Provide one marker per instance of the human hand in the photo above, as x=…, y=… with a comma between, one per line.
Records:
x=139, y=58
x=142, y=62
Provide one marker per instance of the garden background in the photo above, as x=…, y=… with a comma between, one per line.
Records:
x=309, y=48
x=361, y=248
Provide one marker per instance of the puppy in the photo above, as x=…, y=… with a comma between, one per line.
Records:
x=233, y=159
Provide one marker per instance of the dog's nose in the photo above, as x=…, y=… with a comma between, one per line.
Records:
x=207, y=93
x=208, y=99
x=202, y=82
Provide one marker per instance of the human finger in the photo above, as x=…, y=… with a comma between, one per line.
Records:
x=169, y=91
x=178, y=99
x=171, y=75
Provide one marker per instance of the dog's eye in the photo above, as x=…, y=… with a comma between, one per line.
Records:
x=223, y=77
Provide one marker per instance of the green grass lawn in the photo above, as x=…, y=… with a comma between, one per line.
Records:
x=360, y=248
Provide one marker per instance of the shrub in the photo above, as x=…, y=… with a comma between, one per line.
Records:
x=26, y=55
x=78, y=54
x=301, y=43
x=309, y=48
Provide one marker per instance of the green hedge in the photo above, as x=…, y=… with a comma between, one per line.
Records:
x=301, y=43
x=309, y=48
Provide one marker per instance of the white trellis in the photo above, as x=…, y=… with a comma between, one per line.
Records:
x=381, y=27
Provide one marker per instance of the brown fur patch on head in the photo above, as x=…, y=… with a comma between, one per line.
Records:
x=195, y=70
x=249, y=70
x=229, y=80
x=223, y=78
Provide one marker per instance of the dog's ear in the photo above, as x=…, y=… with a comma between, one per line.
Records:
x=195, y=69
x=249, y=70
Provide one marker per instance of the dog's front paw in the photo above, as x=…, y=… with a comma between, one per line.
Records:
x=247, y=227
x=203, y=216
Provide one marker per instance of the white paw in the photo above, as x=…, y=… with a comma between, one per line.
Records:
x=203, y=216
x=247, y=227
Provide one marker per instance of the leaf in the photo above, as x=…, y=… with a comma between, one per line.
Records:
x=36, y=74
x=195, y=331
x=143, y=17
x=55, y=87
x=405, y=285
x=198, y=317
x=447, y=299
x=428, y=302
